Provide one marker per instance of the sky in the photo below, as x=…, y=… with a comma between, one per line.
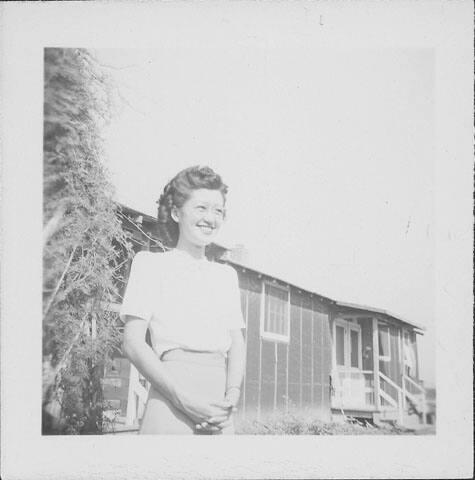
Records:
x=328, y=155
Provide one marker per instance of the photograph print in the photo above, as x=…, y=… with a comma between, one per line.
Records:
x=238, y=241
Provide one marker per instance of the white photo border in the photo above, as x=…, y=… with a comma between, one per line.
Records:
x=27, y=28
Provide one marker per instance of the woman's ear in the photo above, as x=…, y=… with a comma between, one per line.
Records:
x=174, y=214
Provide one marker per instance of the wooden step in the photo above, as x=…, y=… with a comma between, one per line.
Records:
x=392, y=416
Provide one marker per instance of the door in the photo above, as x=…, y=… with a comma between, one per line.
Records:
x=349, y=363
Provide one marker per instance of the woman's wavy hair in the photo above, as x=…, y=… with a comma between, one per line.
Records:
x=178, y=191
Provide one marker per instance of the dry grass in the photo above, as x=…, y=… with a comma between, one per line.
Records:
x=291, y=424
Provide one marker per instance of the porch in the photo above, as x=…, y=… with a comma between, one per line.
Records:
x=375, y=370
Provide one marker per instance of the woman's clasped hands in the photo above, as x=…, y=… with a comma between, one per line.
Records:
x=211, y=416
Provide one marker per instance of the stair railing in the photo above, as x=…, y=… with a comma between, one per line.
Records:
x=419, y=399
x=396, y=403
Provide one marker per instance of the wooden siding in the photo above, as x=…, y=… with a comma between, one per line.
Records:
x=253, y=374
x=322, y=359
x=244, y=308
x=280, y=375
x=281, y=387
x=317, y=373
x=267, y=377
x=307, y=353
x=294, y=350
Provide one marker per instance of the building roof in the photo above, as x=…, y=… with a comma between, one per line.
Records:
x=344, y=305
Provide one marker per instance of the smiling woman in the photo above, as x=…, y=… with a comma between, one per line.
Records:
x=192, y=201
x=199, y=218
x=192, y=308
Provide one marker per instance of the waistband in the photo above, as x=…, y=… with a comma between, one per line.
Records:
x=194, y=356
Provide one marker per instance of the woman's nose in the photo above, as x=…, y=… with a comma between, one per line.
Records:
x=209, y=216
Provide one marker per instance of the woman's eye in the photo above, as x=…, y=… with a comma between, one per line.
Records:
x=201, y=208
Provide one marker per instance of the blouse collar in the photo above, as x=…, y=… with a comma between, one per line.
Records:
x=188, y=257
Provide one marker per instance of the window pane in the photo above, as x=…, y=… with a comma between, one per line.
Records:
x=275, y=315
x=354, y=348
x=268, y=313
x=383, y=341
x=340, y=345
x=279, y=318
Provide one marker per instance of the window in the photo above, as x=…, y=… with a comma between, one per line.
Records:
x=348, y=344
x=340, y=345
x=276, y=306
x=354, y=348
x=384, y=342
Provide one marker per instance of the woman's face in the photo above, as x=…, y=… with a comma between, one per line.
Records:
x=200, y=217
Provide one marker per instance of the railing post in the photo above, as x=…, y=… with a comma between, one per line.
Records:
x=404, y=392
x=377, y=400
x=424, y=408
x=399, y=407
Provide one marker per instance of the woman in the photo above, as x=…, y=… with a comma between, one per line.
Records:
x=192, y=308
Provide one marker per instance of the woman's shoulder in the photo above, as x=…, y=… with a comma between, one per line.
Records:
x=146, y=255
x=146, y=258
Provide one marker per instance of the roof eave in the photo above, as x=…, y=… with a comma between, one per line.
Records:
x=364, y=308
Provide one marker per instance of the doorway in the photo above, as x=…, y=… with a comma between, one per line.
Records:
x=348, y=362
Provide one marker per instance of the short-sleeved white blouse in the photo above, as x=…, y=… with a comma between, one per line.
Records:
x=188, y=303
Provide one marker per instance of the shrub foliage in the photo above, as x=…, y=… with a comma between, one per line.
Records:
x=83, y=242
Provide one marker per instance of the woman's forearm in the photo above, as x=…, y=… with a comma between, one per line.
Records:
x=236, y=360
x=150, y=366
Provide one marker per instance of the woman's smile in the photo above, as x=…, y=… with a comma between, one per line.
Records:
x=206, y=229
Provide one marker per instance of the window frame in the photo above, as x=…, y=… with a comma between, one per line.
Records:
x=340, y=324
x=348, y=324
x=355, y=328
x=272, y=336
